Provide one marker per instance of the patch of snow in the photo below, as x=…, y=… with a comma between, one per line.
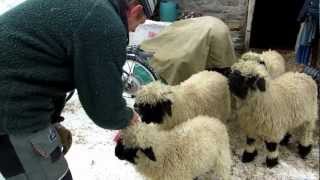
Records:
x=6, y=5
x=92, y=155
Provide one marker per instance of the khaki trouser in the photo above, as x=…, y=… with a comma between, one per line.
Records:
x=189, y=46
x=35, y=156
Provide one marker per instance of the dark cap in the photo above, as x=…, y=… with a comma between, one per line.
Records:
x=148, y=6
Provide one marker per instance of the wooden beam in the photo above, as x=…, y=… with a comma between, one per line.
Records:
x=251, y=5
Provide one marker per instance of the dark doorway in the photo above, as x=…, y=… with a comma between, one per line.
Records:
x=275, y=24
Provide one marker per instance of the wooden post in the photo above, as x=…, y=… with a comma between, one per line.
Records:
x=251, y=5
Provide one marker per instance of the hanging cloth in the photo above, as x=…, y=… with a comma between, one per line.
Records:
x=309, y=18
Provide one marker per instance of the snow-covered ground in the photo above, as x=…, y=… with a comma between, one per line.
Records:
x=92, y=155
x=5, y=5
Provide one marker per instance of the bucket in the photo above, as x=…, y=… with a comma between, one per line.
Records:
x=168, y=11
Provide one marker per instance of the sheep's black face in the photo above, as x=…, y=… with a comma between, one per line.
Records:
x=240, y=85
x=129, y=154
x=154, y=113
x=125, y=153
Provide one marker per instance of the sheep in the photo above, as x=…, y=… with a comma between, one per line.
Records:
x=270, y=108
x=184, y=152
x=273, y=61
x=204, y=93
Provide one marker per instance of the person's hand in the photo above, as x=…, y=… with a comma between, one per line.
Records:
x=117, y=137
x=134, y=120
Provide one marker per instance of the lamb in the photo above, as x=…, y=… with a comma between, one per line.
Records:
x=273, y=61
x=185, y=152
x=204, y=93
x=270, y=108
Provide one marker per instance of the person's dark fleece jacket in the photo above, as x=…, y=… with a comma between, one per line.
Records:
x=49, y=47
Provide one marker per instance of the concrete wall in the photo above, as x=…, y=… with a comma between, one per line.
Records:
x=232, y=12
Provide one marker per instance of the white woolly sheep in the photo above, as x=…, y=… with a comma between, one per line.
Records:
x=204, y=93
x=272, y=59
x=190, y=149
x=271, y=108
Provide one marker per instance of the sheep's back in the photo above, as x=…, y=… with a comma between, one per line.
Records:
x=202, y=138
x=275, y=63
x=208, y=90
x=205, y=93
x=290, y=100
x=299, y=92
x=191, y=147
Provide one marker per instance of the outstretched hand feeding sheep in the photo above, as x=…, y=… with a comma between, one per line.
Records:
x=190, y=149
x=204, y=93
x=271, y=108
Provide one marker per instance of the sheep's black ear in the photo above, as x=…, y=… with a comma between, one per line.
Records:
x=238, y=84
x=136, y=108
x=149, y=153
x=154, y=113
x=261, y=84
x=166, y=106
x=234, y=74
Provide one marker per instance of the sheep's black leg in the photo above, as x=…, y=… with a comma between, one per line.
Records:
x=250, y=152
x=272, y=158
x=305, y=141
x=304, y=150
x=285, y=140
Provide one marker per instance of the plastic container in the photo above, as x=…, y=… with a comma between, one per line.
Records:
x=168, y=10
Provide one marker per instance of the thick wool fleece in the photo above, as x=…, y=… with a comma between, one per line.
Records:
x=250, y=69
x=192, y=148
x=290, y=101
x=49, y=47
x=204, y=93
x=273, y=61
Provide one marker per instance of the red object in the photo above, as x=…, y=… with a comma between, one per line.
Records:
x=152, y=34
x=117, y=137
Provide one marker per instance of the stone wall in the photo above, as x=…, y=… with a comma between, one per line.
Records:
x=232, y=12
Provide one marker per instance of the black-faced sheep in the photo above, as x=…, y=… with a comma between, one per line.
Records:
x=204, y=93
x=270, y=108
x=272, y=59
x=190, y=149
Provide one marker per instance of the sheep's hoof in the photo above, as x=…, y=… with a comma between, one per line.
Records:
x=248, y=157
x=304, y=150
x=271, y=162
x=285, y=140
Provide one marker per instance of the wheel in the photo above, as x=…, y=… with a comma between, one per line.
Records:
x=136, y=73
